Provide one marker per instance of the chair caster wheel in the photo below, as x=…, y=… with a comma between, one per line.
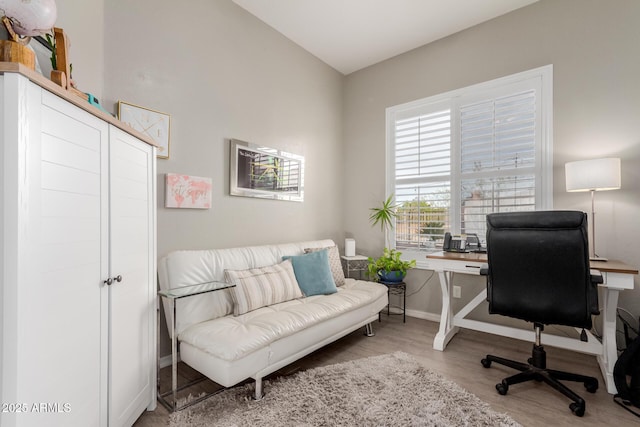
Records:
x=486, y=363
x=577, y=409
x=502, y=388
x=591, y=385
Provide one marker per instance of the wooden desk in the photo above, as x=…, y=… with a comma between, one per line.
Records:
x=617, y=277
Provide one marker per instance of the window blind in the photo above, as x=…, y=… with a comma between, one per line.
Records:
x=497, y=158
x=423, y=145
x=423, y=167
x=458, y=156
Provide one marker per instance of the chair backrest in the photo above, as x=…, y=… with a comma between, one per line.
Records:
x=539, y=267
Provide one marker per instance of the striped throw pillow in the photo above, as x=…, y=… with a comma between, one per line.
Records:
x=262, y=287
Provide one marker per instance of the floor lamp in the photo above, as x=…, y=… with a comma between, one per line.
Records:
x=593, y=175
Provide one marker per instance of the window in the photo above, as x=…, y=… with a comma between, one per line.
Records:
x=455, y=157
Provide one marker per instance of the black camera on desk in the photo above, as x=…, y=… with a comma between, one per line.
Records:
x=462, y=243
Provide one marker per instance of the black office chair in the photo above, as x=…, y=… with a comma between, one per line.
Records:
x=538, y=271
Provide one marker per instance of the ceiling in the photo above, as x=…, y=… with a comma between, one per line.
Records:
x=352, y=34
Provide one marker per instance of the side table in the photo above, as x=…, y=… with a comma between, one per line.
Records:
x=353, y=264
x=396, y=288
x=172, y=295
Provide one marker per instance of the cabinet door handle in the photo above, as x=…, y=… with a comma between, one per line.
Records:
x=110, y=280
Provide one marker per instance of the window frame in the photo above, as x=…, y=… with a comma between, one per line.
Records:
x=541, y=79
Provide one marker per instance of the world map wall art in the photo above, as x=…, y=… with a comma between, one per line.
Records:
x=186, y=191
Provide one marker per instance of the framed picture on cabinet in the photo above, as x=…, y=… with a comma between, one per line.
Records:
x=155, y=124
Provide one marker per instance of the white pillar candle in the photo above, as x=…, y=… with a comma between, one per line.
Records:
x=349, y=247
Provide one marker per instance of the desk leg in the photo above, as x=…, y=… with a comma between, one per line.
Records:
x=446, y=331
x=609, y=354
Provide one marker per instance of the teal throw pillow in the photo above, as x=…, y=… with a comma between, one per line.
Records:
x=313, y=273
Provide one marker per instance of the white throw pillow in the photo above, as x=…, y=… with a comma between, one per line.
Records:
x=262, y=287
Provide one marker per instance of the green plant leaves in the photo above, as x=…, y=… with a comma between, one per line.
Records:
x=52, y=44
x=384, y=215
x=389, y=261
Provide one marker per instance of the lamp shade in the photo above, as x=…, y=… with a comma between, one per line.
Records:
x=596, y=175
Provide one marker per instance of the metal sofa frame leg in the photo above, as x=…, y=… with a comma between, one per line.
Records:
x=258, y=394
x=368, y=330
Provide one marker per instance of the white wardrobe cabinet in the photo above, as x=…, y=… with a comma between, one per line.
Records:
x=78, y=263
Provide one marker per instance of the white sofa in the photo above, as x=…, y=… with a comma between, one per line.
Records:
x=229, y=349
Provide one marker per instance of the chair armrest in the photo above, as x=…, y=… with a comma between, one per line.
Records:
x=484, y=270
x=596, y=277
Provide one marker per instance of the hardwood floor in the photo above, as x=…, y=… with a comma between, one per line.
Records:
x=531, y=404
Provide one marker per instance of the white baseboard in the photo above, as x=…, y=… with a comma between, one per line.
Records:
x=424, y=315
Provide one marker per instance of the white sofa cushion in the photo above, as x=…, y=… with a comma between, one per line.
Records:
x=261, y=287
x=286, y=350
x=232, y=338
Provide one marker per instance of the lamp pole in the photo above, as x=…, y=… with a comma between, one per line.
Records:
x=593, y=175
x=593, y=225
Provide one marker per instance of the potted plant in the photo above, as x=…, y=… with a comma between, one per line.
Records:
x=389, y=267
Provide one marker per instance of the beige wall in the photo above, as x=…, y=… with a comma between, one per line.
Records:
x=592, y=45
x=83, y=21
x=221, y=73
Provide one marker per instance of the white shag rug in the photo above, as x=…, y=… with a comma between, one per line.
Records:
x=387, y=390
